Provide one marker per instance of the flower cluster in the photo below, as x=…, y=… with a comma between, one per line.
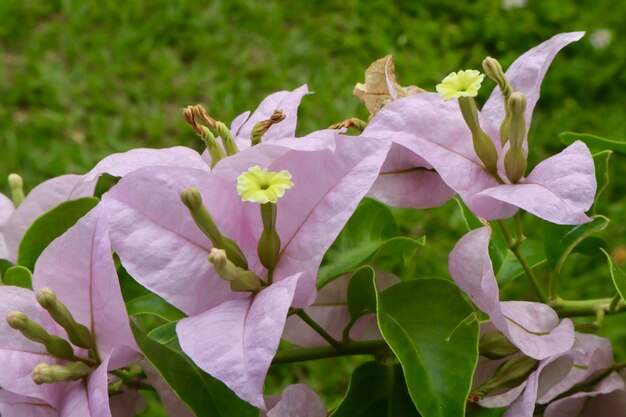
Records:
x=228, y=245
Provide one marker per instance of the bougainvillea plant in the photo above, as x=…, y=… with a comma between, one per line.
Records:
x=185, y=277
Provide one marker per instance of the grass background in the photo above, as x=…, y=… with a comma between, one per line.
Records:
x=82, y=79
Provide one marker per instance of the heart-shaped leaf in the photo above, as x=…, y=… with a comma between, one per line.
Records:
x=594, y=142
x=376, y=390
x=371, y=232
x=433, y=331
x=560, y=241
x=49, y=226
x=18, y=276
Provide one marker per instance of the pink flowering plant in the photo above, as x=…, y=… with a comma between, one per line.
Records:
x=187, y=278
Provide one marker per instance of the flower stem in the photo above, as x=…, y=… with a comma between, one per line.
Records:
x=514, y=245
x=581, y=308
x=370, y=347
x=315, y=326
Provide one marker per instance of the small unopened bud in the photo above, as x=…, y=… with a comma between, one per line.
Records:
x=508, y=375
x=354, y=123
x=515, y=162
x=263, y=126
x=16, y=184
x=189, y=118
x=192, y=199
x=217, y=128
x=54, y=345
x=269, y=242
x=483, y=145
x=45, y=373
x=493, y=69
x=240, y=279
x=495, y=345
x=78, y=333
x=516, y=105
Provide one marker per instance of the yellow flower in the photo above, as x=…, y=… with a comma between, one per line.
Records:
x=460, y=84
x=259, y=185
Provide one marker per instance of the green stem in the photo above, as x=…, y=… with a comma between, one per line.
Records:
x=370, y=347
x=581, y=308
x=513, y=245
x=315, y=326
x=613, y=306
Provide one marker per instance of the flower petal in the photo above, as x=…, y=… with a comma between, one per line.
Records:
x=16, y=405
x=159, y=243
x=287, y=101
x=549, y=372
x=98, y=381
x=606, y=399
x=560, y=189
x=78, y=266
x=41, y=199
x=407, y=181
x=296, y=400
x=525, y=75
x=236, y=341
x=19, y=355
x=533, y=327
x=434, y=129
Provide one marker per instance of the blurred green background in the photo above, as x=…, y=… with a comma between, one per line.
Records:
x=82, y=79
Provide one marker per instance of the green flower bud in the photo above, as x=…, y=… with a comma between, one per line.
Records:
x=493, y=69
x=494, y=345
x=215, y=151
x=508, y=375
x=45, y=373
x=515, y=162
x=78, y=333
x=240, y=279
x=192, y=199
x=54, y=345
x=269, y=242
x=483, y=145
x=263, y=126
x=516, y=105
x=16, y=184
x=217, y=128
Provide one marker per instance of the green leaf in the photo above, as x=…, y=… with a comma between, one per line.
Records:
x=49, y=226
x=471, y=221
x=362, y=292
x=509, y=267
x=601, y=163
x=205, y=395
x=370, y=233
x=560, y=241
x=594, y=142
x=618, y=275
x=4, y=265
x=18, y=276
x=164, y=334
x=131, y=289
x=154, y=305
x=104, y=184
x=376, y=390
x=433, y=331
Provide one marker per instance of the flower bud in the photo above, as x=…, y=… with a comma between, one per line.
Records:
x=508, y=375
x=240, y=279
x=516, y=105
x=192, y=199
x=515, y=162
x=354, y=123
x=45, y=373
x=493, y=69
x=263, y=126
x=217, y=128
x=78, y=333
x=269, y=243
x=54, y=345
x=494, y=345
x=483, y=145
x=16, y=184
x=214, y=149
